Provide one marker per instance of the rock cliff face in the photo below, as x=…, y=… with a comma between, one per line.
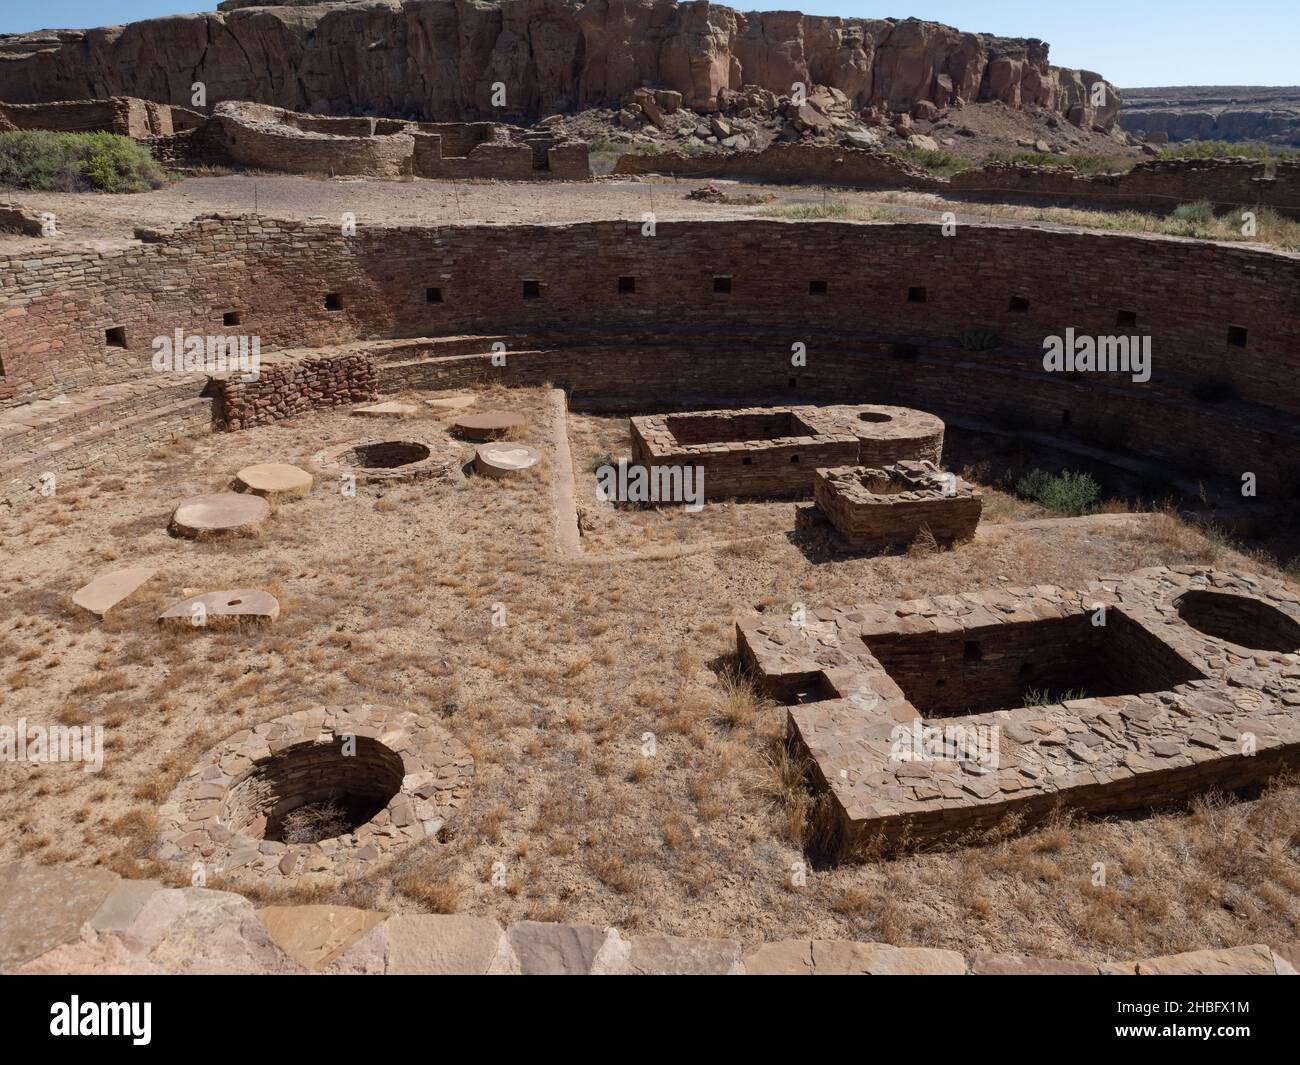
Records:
x=1208, y=112
x=439, y=59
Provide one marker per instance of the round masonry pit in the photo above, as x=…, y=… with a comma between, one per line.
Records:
x=887, y=435
x=327, y=790
x=875, y=416
x=1240, y=619
x=219, y=514
x=389, y=460
x=313, y=791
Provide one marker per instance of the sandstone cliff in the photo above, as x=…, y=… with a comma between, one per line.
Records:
x=439, y=59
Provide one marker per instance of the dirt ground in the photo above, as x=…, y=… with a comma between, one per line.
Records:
x=388, y=597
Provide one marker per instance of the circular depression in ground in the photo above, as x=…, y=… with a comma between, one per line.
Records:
x=1240, y=619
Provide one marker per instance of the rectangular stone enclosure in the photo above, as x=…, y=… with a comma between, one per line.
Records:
x=878, y=508
x=773, y=452
x=1132, y=693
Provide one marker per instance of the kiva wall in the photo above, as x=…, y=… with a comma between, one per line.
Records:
x=896, y=298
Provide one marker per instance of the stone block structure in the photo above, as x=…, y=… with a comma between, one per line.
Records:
x=775, y=451
x=878, y=508
x=931, y=718
x=271, y=138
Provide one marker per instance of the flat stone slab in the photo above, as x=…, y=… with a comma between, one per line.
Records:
x=274, y=480
x=123, y=905
x=676, y=956
x=490, y=425
x=388, y=409
x=108, y=589
x=215, y=609
x=837, y=958
x=786, y=957
x=1019, y=965
x=314, y=936
x=220, y=514
x=44, y=906
x=442, y=944
x=502, y=458
x=1256, y=960
x=450, y=403
x=541, y=949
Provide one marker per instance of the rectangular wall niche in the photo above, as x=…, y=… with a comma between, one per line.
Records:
x=996, y=667
x=115, y=337
x=532, y=290
x=231, y=318
x=722, y=284
x=916, y=294
x=627, y=285
x=333, y=301
x=433, y=295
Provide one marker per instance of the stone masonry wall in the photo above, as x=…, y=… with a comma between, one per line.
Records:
x=1158, y=184
x=296, y=386
x=882, y=331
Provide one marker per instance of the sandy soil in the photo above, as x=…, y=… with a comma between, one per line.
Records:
x=389, y=597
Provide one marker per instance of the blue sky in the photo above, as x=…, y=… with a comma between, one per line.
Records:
x=1131, y=42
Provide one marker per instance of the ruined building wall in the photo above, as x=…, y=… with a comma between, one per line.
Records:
x=1158, y=184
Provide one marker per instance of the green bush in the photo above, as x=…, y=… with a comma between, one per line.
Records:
x=1083, y=162
x=936, y=161
x=76, y=162
x=1224, y=149
x=979, y=338
x=1067, y=493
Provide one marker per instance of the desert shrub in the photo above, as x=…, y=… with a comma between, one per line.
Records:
x=1044, y=697
x=825, y=209
x=76, y=162
x=936, y=161
x=1085, y=163
x=1071, y=493
x=979, y=338
x=1224, y=149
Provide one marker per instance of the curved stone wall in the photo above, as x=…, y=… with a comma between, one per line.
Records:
x=882, y=309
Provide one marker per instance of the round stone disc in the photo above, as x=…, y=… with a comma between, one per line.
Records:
x=390, y=409
x=216, y=609
x=223, y=513
x=502, y=458
x=490, y=425
x=450, y=403
x=274, y=480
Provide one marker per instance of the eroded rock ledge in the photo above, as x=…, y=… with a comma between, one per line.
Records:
x=439, y=59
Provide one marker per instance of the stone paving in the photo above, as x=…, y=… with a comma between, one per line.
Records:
x=207, y=818
x=1146, y=706
x=89, y=921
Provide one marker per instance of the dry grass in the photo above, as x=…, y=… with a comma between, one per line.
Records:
x=626, y=772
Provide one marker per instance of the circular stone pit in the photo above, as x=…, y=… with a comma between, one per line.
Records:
x=1239, y=619
x=276, y=481
x=389, y=460
x=219, y=514
x=501, y=458
x=490, y=425
x=327, y=790
x=888, y=434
